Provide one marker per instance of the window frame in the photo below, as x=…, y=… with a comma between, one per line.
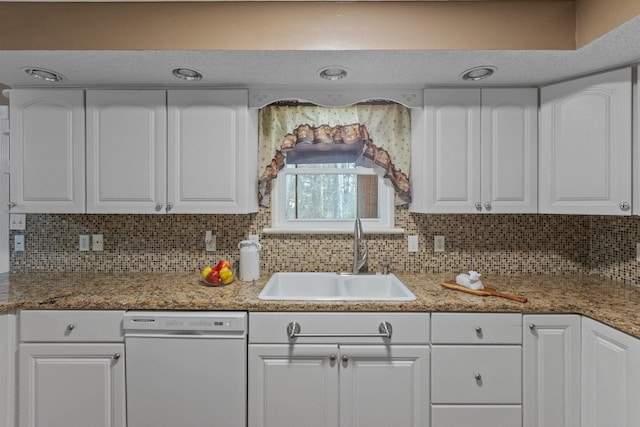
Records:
x=280, y=224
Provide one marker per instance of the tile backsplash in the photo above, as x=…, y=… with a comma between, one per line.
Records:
x=492, y=244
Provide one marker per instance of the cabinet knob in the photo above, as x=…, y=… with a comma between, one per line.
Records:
x=478, y=377
x=169, y=207
x=116, y=356
x=11, y=205
x=332, y=357
x=345, y=358
x=532, y=326
x=487, y=206
x=624, y=206
x=71, y=326
x=478, y=206
x=478, y=331
x=158, y=207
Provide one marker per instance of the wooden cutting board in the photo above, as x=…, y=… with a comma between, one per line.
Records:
x=485, y=292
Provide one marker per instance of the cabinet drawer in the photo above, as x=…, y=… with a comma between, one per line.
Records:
x=71, y=326
x=476, y=416
x=339, y=328
x=476, y=374
x=476, y=328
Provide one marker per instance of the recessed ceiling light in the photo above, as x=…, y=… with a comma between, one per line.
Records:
x=479, y=73
x=333, y=73
x=41, y=73
x=188, y=74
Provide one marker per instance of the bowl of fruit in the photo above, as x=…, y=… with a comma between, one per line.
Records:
x=219, y=275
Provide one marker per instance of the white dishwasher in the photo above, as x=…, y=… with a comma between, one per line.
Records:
x=186, y=369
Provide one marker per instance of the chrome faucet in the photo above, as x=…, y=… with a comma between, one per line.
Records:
x=359, y=259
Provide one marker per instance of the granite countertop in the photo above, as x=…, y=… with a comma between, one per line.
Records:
x=609, y=302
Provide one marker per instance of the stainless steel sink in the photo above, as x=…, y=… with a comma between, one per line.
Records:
x=335, y=287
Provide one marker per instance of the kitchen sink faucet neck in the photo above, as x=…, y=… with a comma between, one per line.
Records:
x=359, y=258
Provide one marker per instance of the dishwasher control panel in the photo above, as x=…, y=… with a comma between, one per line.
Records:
x=185, y=321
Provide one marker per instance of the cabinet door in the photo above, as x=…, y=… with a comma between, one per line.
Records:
x=610, y=377
x=510, y=150
x=293, y=386
x=126, y=151
x=551, y=370
x=47, y=150
x=446, y=165
x=8, y=350
x=211, y=151
x=585, y=145
x=72, y=385
x=384, y=386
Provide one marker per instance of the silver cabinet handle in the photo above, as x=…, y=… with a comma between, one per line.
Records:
x=345, y=358
x=532, y=326
x=478, y=330
x=487, y=206
x=71, y=326
x=158, y=207
x=478, y=377
x=11, y=205
x=624, y=206
x=116, y=356
x=478, y=206
x=384, y=331
x=332, y=357
x=169, y=207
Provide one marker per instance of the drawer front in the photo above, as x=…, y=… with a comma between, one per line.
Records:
x=476, y=328
x=476, y=416
x=71, y=326
x=476, y=374
x=347, y=328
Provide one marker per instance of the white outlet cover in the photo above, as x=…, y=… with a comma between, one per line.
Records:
x=438, y=243
x=83, y=243
x=18, y=242
x=412, y=244
x=638, y=252
x=97, y=243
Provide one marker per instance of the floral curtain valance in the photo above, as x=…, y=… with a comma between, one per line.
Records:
x=371, y=135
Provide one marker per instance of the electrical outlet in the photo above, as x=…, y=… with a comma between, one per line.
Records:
x=412, y=244
x=17, y=221
x=97, y=243
x=83, y=243
x=18, y=242
x=209, y=241
x=438, y=243
x=254, y=238
x=638, y=252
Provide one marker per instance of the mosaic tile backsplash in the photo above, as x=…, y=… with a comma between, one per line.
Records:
x=492, y=244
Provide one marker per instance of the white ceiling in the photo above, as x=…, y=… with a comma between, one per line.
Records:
x=278, y=69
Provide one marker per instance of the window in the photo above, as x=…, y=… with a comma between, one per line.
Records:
x=321, y=198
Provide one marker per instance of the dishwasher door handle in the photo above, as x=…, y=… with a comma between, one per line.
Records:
x=384, y=331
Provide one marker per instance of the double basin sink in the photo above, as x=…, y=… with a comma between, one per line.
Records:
x=335, y=287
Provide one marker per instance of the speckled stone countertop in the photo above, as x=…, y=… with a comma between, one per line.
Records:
x=606, y=301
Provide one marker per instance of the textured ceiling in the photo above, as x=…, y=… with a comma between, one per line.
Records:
x=276, y=69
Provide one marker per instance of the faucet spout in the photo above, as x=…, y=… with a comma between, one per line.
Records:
x=359, y=258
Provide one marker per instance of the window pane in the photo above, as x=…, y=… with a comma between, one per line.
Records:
x=334, y=196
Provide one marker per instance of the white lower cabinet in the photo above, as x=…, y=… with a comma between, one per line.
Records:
x=8, y=345
x=354, y=381
x=610, y=377
x=551, y=376
x=65, y=380
x=476, y=369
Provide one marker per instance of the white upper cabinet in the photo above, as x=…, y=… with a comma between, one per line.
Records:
x=213, y=152
x=585, y=145
x=475, y=151
x=509, y=150
x=126, y=151
x=47, y=149
x=636, y=148
x=171, y=152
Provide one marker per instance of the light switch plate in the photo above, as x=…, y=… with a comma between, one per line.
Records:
x=97, y=243
x=18, y=242
x=638, y=252
x=438, y=243
x=209, y=241
x=254, y=238
x=17, y=221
